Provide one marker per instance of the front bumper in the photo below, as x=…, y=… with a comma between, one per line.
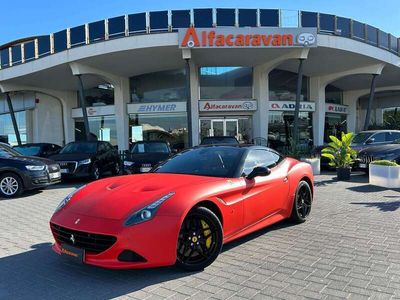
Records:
x=137, y=169
x=40, y=179
x=80, y=171
x=155, y=240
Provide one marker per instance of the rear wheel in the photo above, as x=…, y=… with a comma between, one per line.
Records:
x=302, y=203
x=10, y=185
x=200, y=240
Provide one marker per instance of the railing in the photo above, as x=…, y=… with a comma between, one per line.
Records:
x=171, y=20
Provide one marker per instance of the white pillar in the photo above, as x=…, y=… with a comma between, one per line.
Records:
x=317, y=95
x=121, y=100
x=194, y=96
x=261, y=94
x=350, y=99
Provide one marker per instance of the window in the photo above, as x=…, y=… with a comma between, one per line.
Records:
x=379, y=137
x=150, y=148
x=7, y=133
x=103, y=128
x=165, y=86
x=283, y=86
x=392, y=136
x=101, y=95
x=102, y=148
x=333, y=94
x=260, y=158
x=226, y=82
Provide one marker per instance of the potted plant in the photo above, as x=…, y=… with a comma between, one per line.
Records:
x=340, y=154
x=384, y=173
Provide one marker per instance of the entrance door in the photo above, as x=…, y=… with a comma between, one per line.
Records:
x=240, y=128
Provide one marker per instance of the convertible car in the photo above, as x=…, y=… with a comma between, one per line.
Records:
x=183, y=211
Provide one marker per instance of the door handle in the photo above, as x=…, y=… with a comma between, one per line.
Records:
x=285, y=179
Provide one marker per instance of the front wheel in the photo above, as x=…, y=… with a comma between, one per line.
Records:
x=95, y=174
x=200, y=240
x=302, y=203
x=10, y=185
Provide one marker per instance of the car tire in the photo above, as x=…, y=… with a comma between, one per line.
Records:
x=95, y=172
x=10, y=185
x=200, y=240
x=302, y=203
x=116, y=169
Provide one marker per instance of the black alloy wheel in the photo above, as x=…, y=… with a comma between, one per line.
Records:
x=95, y=172
x=200, y=240
x=302, y=203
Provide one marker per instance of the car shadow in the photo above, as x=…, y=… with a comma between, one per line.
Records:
x=370, y=189
x=354, y=178
x=42, y=274
x=382, y=206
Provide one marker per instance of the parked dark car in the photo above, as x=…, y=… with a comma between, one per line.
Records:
x=143, y=156
x=219, y=140
x=369, y=138
x=19, y=173
x=88, y=159
x=38, y=149
x=382, y=152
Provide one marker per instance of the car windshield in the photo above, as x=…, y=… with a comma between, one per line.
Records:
x=209, y=161
x=150, y=148
x=28, y=150
x=219, y=140
x=79, y=148
x=7, y=152
x=362, y=137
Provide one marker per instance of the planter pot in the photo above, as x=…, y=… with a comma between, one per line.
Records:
x=315, y=164
x=343, y=174
x=384, y=176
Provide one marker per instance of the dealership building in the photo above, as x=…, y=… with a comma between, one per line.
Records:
x=182, y=75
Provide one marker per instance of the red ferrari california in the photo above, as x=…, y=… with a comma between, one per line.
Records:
x=184, y=210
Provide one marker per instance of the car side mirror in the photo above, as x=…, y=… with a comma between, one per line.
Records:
x=370, y=141
x=258, y=171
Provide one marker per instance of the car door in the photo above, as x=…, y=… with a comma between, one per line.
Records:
x=102, y=156
x=264, y=195
x=112, y=155
x=392, y=136
x=378, y=138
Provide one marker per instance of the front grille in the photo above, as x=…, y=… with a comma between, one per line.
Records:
x=69, y=165
x=91, y=242
x=366, y=159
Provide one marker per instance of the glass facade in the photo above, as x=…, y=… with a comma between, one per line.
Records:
x=226, y=83
x=240, y=128
x=334, y=125
x=391, y=116
x=7, y=133
x=171, y=128
x=283, y=86
x=102, y=127
x=333, y=94
x=98, y=96
x=280, y=129
x=162, y=86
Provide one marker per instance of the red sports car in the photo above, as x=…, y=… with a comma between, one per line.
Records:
x=184, y=210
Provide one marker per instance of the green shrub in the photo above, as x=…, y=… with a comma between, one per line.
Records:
x=339, y=152
x=387, y=163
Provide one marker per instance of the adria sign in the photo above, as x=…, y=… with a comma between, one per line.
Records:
x=247, y=105
x=247, y=37
x=290, y=106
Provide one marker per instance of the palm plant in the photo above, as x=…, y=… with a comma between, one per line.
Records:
x=340, y=154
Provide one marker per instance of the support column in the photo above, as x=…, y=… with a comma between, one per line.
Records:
x=261, y=93
x=13, y=119
x=317, y=95
x=83, y=106
x=189, y=102
x=194, y=107
x=350, y=99
x=297, y=106
x=121, y=100
x=370, y=101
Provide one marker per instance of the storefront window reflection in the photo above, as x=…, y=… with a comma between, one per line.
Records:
x=283, y=86
x=98, y=96
x=7, y=133
x=334, y=125
x=333, y=94
x=102, y=127
x=280, y=129
x=165, y=86
x=226, y=82
x=165, y=127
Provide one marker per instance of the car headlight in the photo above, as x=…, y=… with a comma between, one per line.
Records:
x=85, y=162
x=35, y=168
x=128, y=163
x=148, y=212
x=66, y=199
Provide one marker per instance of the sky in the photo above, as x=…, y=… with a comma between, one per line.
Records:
x=25, y=18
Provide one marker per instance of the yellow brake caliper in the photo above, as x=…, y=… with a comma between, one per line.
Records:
x=207, y=233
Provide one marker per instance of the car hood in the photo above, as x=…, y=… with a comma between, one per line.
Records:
x=33, y=160
x=70, y=156
x=147, y=158
x=116, y=198
x=381, y=150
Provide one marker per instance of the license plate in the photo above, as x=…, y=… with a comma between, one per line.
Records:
x=63, y=171
x=145, y=169
x=72, y=253
x=55, y=175
x=364, y=166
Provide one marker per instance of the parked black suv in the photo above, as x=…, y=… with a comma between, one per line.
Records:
x=143, y=156
x=382, y=152
x=38, y=149
x=19, y=173
x=88, y=159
